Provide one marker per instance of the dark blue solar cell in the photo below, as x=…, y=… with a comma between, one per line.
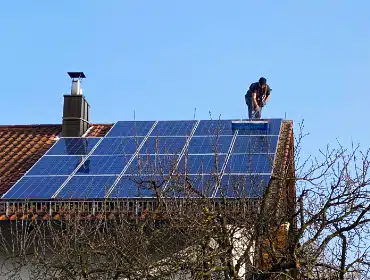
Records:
x=273, y=128
x=87, y=187
x=201, y=164
x=163, y=145
x=209, y=144
x=214, y=127
x=255, y=144
x=73, y=146
x=192, y=186
x=98, y=165
x=118, y=146
x=250, y=163
x=56, y=165
x=135, y=186
x=243, y=186
x=173, y=128
x=152, y=164
x=42, y=187
x=130, y=128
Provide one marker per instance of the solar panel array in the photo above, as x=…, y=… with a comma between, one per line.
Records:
x=140, y=158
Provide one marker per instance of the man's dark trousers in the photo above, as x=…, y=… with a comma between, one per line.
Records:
x=252, y=113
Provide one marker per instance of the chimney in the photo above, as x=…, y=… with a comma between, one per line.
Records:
x=76, y=110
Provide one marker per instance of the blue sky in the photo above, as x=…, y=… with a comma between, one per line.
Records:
x=162, y=59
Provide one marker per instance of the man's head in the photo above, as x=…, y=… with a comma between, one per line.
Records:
x=262, y=82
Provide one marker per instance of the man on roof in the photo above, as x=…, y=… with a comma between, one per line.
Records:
x=256, y=97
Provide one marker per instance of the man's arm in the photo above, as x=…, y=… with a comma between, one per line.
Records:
x=267, y=95
x=253, y=90
x=254, y=94
x=267, y=98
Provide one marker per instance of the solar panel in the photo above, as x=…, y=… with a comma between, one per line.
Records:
x=118, y=146
x=42, y=187
x=255, y=144
x=192, y=185
x=130, y=128
x=201, y=164
x=214, y=127
x=252, y=155
x=173, y=128
x=87, y=187
x=73, y=146
x=249, y=163
x=163, y=145
x=209, y=144
x=242, y=186
x=138, y=186
x=55, y=165
x=107, y=165
x=152, y=164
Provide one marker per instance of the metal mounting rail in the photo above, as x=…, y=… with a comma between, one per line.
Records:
x=226, y=161
x=130, y=161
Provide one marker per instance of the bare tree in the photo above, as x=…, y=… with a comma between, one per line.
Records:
x=330, y=239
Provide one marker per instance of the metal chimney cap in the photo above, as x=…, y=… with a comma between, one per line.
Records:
x=76, y=75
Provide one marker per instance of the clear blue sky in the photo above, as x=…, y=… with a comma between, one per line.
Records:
x=165, y=58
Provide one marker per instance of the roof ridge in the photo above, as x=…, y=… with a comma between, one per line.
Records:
x=27, y=125
x=102, y=123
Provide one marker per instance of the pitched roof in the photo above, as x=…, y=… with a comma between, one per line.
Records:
x=22, y=145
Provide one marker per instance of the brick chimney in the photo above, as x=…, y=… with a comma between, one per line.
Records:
x=76, y=109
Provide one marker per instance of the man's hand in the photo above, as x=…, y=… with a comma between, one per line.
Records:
x=257, y=108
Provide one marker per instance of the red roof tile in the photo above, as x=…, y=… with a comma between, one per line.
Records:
x=22, y=145
x=99, y=130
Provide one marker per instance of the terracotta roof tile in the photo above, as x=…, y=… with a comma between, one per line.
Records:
x=99, y=130
x=22, y=145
